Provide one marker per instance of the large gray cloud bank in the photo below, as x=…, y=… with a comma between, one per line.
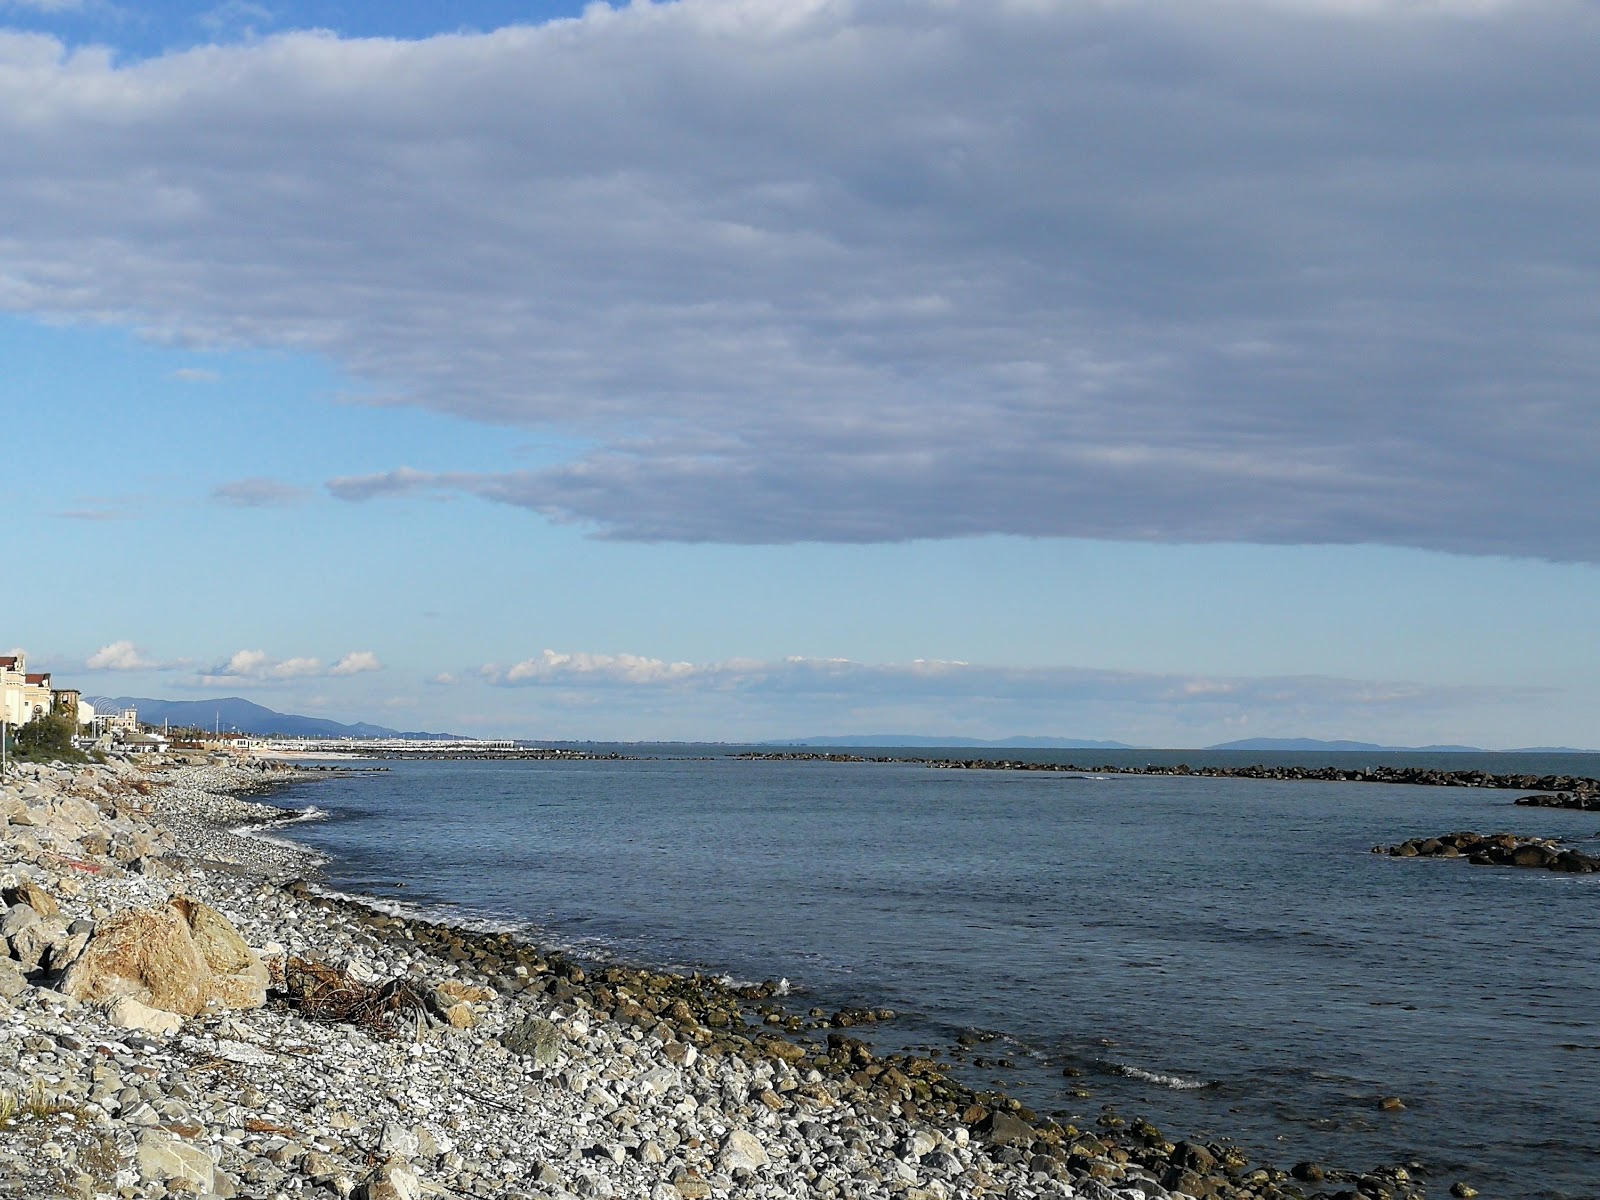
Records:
x=1267, y=270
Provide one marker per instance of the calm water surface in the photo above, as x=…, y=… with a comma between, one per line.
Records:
x=1224, y=956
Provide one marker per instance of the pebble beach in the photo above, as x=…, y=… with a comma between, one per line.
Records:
x=334, y=1049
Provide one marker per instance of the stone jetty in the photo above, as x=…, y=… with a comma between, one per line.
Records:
x=1582, y=801
x=1497, y=850
x=182, y=1015
x=1575, y=787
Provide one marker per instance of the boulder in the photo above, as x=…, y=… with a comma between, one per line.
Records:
x=17, y=918
x=535, y=1038
x=127, y=1013
x=33, y=942
x=12, y=981
x=182, y=958
x=35, y=897
x=392, y=1181
x=161, y=1157
x=1003, y=1129
x=742, y=1152
x=146, y=954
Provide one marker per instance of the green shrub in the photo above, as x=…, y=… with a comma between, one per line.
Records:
x=47, y=739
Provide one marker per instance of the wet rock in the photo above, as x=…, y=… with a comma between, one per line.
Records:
x=1004, y=1129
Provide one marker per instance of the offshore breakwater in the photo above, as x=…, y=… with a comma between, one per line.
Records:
x=1581, y=791
x=388, y=1057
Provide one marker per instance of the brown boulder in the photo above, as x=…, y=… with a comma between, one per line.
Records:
x=168, y=958
x=35, y=897
x=146, y=954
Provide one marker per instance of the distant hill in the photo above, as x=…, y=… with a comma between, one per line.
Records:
x=911, y=739
x=234, y=713
x=1291, y=744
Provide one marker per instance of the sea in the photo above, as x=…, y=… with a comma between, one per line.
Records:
x=1224, y=957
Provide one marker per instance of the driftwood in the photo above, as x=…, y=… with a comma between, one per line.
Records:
x=320, y=992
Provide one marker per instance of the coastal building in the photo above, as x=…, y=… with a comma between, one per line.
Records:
x=143, y=743
x=24, y=695
x=122, y=722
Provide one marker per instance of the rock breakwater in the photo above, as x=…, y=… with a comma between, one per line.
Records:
x=1497, y=850
x=375, y=1055
x=1583, y=801
x=1576, y=786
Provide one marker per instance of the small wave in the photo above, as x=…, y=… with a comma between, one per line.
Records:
x=1176, y=1082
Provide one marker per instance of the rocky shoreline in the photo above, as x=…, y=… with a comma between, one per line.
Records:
x=336, y=1050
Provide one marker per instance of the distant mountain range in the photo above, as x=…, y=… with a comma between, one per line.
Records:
x=232, y=713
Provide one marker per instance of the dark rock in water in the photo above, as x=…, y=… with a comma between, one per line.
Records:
x=1193, y=1157
x=1496, y=850
x=1308, y=1172
x=1582, y=801
x=1003, y=1129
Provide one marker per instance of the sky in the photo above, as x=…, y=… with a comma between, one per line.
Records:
x=741, y=369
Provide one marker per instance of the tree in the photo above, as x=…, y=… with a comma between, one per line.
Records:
x=44, y=739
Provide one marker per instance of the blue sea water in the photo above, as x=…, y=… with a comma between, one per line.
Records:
x=1223, y=956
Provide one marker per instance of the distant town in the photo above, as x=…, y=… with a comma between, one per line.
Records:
x=28, y=696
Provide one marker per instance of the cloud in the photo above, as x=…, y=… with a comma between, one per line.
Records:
x=257, y=666
x=196, y=375
x=934, y=678
x=236, y=19
x=120, y=656
x=1239, y=270
x=258, y=493
x=42, y=6
x=93, y=514
x=357, y=662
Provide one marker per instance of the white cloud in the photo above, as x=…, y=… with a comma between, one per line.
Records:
x=800, y=675
x=196, y=375
x=257, y=666
x=1250, y=270
x=119, y=656
x=357, y=662
x=258, y=493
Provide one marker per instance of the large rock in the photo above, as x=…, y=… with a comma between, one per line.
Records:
x=35, y=897
x=31, y=943
x=241, y=977
x=127, y=1013
x=742, y=1152
x=146, y=954
x=1003, y=1129
x=535, y=1038
x=153, y=956
x=392, y=1181
x=18, y=917
x=12, y=981
x=163, y=1158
